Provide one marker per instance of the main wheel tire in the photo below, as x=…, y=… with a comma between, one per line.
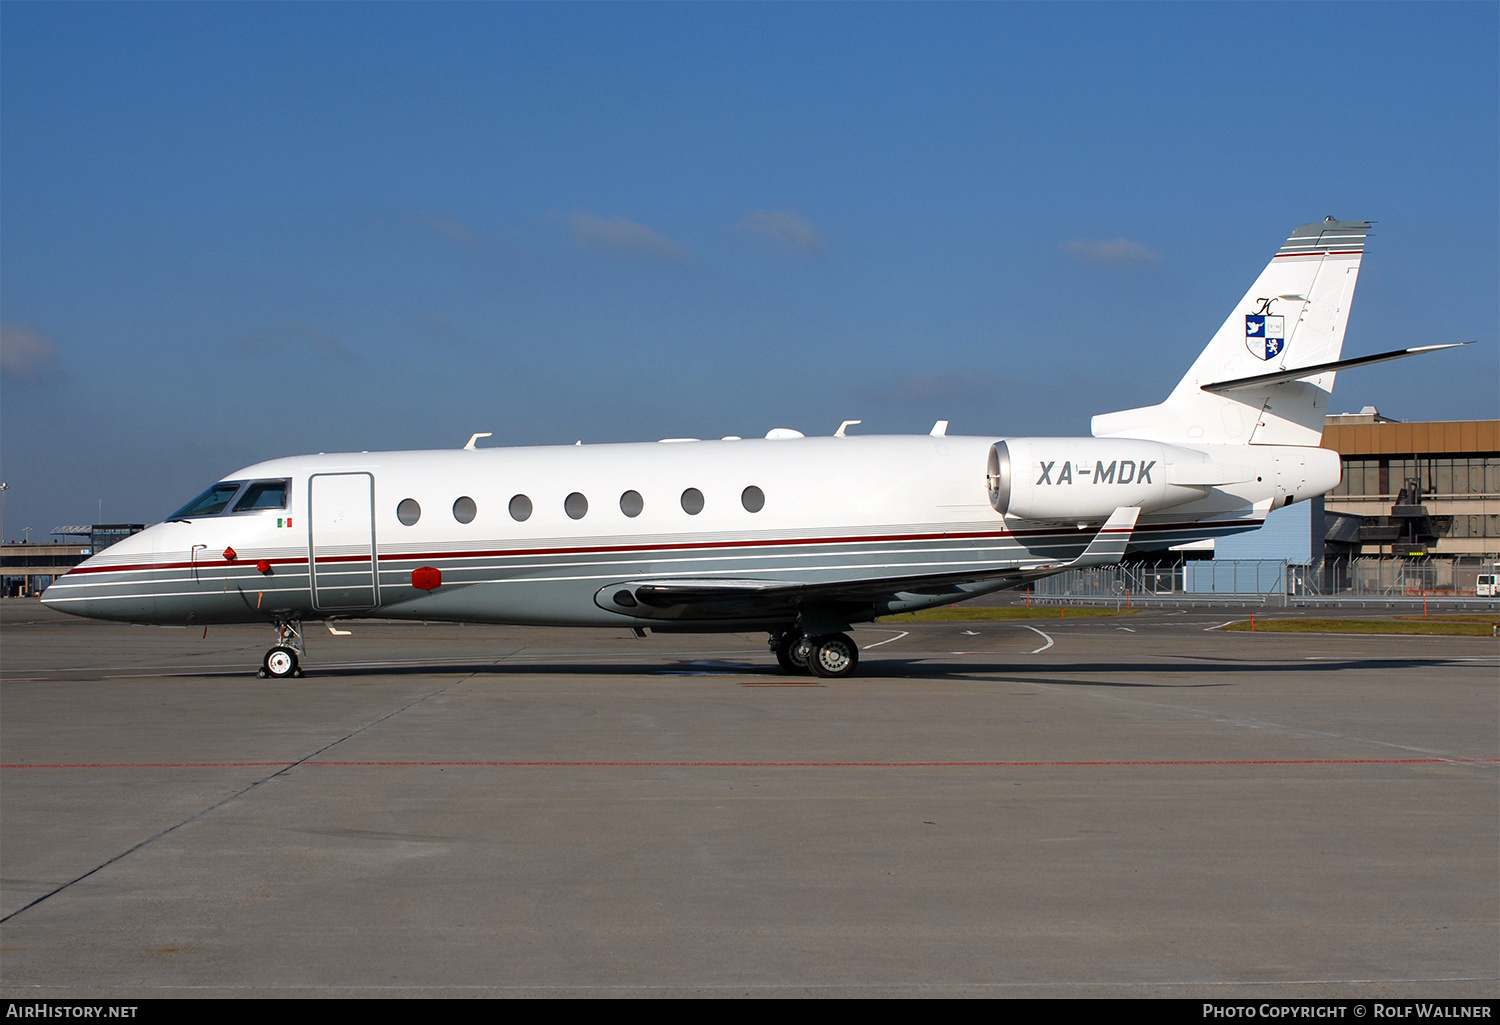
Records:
x=280, y=663
x=784, y=659
x=833, y=656
x=792, y=652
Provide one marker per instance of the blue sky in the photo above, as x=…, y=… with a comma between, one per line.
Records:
x=234, y=231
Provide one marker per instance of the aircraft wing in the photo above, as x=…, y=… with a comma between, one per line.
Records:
x=688, y=599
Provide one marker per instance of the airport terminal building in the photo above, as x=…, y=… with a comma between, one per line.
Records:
x=1410, y=489
x=27, y=569
x=1417, y=510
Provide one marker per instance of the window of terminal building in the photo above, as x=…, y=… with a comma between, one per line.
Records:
x=1438, y=475
x=1361, y=477
x=1472, y=526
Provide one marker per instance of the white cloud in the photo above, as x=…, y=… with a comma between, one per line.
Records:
x=619, y=237
x=25, y=352
x=785, y=230
x=1118, y=252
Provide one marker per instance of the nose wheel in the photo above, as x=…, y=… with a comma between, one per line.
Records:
x=281, y=662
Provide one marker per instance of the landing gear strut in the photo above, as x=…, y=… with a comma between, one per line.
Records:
x=281, y=661
x=830, y=656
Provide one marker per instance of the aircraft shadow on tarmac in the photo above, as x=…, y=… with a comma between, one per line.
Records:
x=1081, y=674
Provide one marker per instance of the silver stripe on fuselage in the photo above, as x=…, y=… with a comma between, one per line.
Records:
x=822, y=562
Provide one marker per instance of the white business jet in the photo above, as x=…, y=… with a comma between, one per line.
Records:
x=797, y=536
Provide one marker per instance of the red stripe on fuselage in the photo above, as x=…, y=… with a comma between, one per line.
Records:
x=683, y=546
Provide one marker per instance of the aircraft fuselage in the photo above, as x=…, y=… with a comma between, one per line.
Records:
x=813, y=510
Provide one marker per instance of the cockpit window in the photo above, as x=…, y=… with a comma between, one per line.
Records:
x=263, y=494
x=211, y=502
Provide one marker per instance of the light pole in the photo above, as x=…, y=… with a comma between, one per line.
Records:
x=4, y=487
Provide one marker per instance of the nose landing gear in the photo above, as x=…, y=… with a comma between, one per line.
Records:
x=281, y=661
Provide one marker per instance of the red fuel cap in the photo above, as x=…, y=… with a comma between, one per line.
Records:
x=263, y=566
x=426, y=578
x=230, y=554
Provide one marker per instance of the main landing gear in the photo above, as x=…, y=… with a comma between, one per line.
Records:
x=830, y=656
x=281, y=661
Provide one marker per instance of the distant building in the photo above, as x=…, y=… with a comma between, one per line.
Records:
x=1410, y=489
x=29, y=568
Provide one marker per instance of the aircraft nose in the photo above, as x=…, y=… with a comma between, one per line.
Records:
x=114, y=586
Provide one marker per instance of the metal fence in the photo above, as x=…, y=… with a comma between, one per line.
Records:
x=1412, y=578
x=1272, y=580
x=1229, y=577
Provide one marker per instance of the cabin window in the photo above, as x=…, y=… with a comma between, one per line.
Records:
x=464, y=510
x=753, y=499
x=631, y=503
x=263, y=494
x=211, y=502
x=692, y=501
x=408, y=512
x=576, y=506
x=520, y=508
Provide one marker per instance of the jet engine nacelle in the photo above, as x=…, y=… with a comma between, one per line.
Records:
x=1083, y=479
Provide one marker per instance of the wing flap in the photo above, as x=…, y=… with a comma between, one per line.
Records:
x=699, y=599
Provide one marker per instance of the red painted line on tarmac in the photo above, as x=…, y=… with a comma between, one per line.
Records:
x=759, y=765
x=145, y=765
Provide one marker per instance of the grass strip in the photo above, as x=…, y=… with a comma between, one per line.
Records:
x=970, y=614
x=1440, y=626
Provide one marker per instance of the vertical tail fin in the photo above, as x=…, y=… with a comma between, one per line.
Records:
x=1294, y=315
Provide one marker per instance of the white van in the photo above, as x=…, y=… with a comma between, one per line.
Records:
x=1485, y=586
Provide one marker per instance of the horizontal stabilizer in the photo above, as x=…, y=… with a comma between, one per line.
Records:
x=1297, y=373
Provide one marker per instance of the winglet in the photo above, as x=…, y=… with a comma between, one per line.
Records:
x=1108, y=546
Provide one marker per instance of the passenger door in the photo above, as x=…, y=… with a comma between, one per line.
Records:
x=341, y=524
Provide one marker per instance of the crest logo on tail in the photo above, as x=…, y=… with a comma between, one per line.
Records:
x=1265, y=335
